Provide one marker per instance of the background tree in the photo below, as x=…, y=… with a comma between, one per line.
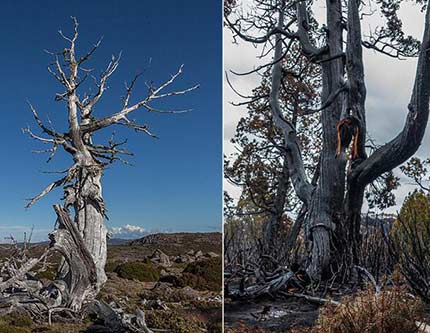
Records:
x=333, y=205
x=409, y=242
x=417, y=170
x=259, y=167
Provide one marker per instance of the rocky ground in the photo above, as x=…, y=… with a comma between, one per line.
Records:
x=175, y=278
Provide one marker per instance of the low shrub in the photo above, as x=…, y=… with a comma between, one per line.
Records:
x=15, y=322
x=111, y=266
x=17, y=319
x=138, y=270
x=175, y=322
x=48, y=274
x=410, y=243
x=6, y=328
x=204, y=275
x=199, y=275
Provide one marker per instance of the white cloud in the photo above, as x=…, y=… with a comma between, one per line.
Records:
x=128, y=231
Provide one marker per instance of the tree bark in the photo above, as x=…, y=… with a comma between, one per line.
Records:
x=333, y=206
x=89, y=216
x=277, y=211
x=326, y=204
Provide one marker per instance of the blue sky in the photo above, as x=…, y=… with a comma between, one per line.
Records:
x=175, y=183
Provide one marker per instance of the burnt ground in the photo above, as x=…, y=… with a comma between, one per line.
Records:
x=268, y=315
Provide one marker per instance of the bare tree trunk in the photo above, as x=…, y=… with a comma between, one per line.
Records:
x=89, y=216
x=82, y=278
x=83, y=243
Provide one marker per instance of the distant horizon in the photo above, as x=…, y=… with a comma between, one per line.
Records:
x=20, y=238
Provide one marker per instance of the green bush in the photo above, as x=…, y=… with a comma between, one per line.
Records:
x=410, y=239
x=111, y=266
x=15, y=322
x=138, y=270
x=204, y=275
x=17, y=319
x=200, y=275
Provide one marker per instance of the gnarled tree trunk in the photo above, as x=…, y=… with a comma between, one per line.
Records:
x=332, y=206
x=83, y=240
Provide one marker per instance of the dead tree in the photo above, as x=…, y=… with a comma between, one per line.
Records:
x=82, y=240
x=333, y=205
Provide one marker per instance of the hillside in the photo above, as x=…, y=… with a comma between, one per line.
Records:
x=183, y=241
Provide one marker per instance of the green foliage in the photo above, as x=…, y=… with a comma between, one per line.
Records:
x=204, y=275
x=138, y=270
x=415, y=212
x=209, y=270
x=15, y=322
x=199, y=275
x=416, y=207
x=111, y=266
x=172, y=321
x=410, y=242
x=48, y=274
x=6, y=328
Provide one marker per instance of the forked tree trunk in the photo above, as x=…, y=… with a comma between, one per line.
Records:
x=333, y=206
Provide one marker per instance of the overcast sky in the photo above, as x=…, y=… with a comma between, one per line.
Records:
x=389, y=85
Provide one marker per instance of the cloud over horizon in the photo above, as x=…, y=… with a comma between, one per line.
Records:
x=128, y=231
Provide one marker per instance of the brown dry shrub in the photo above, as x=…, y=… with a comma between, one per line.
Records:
x=391, y=311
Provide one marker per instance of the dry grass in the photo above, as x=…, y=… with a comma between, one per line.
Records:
x=391, y=311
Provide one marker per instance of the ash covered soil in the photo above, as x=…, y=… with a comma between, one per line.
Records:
x=269, y=315
x=175, y=278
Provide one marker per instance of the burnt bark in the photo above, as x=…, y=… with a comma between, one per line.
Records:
x=332, y=207
x=277, y=211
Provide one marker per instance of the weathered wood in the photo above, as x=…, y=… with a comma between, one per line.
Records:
x=115, y=319
x=82, y=240
x=81, y=278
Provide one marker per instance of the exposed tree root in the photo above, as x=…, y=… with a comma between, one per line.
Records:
x=72, y=294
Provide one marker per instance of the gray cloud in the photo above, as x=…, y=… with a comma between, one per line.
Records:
x=389, y=86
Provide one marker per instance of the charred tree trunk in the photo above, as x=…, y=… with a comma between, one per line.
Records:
x=333, y=207
x=277, y=212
